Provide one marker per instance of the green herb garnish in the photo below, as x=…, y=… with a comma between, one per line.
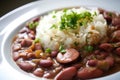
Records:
x=32, y=25
x=53, y=16
x=53, y=26
x=75, y=20
x=37, y=40
x=89, y=48
x=62, y=49
x=95, y=14
x=65, y=10
x=48, y=50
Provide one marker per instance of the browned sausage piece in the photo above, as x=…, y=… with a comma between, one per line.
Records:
x=69, y=56
x=89, y=72
x=66, y=74
x=26, y=66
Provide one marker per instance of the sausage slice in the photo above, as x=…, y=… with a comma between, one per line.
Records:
x=89, y=72
x=69, y=56
x=67, y=74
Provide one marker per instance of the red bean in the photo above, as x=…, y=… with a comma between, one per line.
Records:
x=96, y=52
x=32, y=36
x=92, y=63
x=26, y=43
x=49, y=74
x=117, y=59
x=117, y=51
x=16, y=47
x=116, y=36
x=116, y=21
x=24, y=30
x=107, y=16
x=23, y=55
x=69, y=56
x=102, y=55
x=46, y=63
x=38, y=72
x=54, y=53
x=89, y=72
x=26, y=66
x=66, y=74
x=30, y=55
x=101, y=10
x=16, y=56
x=110, y=60
x=106, y=46
x=36, y=19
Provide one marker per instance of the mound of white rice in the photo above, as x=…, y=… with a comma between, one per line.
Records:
x=90, y=34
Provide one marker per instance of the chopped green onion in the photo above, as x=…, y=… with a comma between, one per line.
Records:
x=65, y=10
x=53, y=26
x=95, y=14
x=75, y=20
x=89, y=48
x=48, y=50
x=33, y=25
x=53, y=16
x=36, y=40
x=61, y=49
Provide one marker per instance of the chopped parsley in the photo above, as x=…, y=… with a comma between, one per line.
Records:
x=48, y=50
x=36, y=40
x=89, y=48
x=62, y=49
x=53, y=26
x=53, y=16
x=65, y=10
x=75, y=20
x=95, y=14
x=33, y=25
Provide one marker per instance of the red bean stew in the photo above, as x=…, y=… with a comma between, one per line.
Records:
x=101, y=59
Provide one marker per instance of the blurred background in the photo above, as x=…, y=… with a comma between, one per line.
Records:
x=9, y=5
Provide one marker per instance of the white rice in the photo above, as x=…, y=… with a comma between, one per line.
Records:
x=90, y=34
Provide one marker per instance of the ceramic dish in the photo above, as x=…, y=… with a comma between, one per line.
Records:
x=11, y=23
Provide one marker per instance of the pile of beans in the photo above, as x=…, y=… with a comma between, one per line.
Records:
x=73, y=64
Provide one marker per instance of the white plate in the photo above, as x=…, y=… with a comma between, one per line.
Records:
x=12, y=22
